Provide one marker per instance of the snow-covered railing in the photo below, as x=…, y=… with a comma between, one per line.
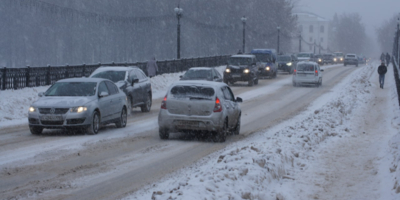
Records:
x=395, y=61
x=16, y=78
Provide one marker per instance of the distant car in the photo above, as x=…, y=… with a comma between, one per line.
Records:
x=241, y=68
x=133, y=81
x=78, y=103
x=195, y=107
x=319, y=59
x=202, y=73
x=286, y=63
x=307, y=73
x=362, y=59
x=328, y=58
x=351, y=59
x=266, y=62
x=305, y=56
x=339, y=57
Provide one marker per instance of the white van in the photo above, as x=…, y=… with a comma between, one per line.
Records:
x=307, y=72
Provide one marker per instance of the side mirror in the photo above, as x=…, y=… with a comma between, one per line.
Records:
x=180, y=76
x=103, y=94
x=41, y=94
x=321, y=70
x=135, y=81
x=216, y=77
x=239, y=100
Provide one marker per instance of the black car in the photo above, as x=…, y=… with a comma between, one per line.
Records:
x=286, y=63
x=328, y=58
x=133, y=81
x=241, y=68
x=319, y=59
x=202, y=73
x=351, y=59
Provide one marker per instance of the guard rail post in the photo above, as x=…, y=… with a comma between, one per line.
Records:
x=27, y=76
x=48, y=81
x=4, y=78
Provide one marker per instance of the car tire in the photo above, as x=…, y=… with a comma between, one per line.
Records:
x=36, y=130
x=221, y=135
x=147, y=104
x=256, y=82
x=121, y=123
x=251, y=82
x=236, y=131
x=345, y=65
x=164, y=133
x=95, y=124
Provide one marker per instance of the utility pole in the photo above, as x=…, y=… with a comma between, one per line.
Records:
x=300, y=42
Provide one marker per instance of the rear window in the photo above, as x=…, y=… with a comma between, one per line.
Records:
x=351, y=56
x=305, y=67
x=303, y=55
x=192, y=92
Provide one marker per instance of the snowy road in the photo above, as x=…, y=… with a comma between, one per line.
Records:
x=117, y=162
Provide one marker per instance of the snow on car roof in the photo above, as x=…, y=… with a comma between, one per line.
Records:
x=199, y=83
x=200, y=68
x=243, y=56
x=117, y=68
x=82, y=80
x=306, y=62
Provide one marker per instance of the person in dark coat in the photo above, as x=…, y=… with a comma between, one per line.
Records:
x=152, y=67
x=387, y=59
x=383, y=57
x=382, y=69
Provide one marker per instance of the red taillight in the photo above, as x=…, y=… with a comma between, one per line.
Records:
x=316, y=72
x=164, y=103
x=294, y=72
x=218, y=106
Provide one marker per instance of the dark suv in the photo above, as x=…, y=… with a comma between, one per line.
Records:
x=133, y=81
x=241, y=68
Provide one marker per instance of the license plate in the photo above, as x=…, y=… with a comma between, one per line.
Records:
x=236, y=76
x=188, y=123
x=51, y=118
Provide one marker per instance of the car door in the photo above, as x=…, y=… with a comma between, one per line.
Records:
x=230, y=105
x=104, y=102
x=134, y=89
x=143, y=85
x=216, y=75
x=116, y=101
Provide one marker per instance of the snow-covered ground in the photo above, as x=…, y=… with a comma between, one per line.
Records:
x=346, y=145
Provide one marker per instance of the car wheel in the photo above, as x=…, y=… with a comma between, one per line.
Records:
x=256, y=82
x=221, y=135
x=36, y=130
x=251, y=82
x=345, y=65
x=163, y=132
x=95, y=125
x=122, y=119
x=237, y=128
x=147, y=104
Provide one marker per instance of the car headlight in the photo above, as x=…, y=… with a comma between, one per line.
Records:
x=228, y=70
x=79, y=109
x=341, y=59
x=289, y=64
x=319, y=60
x=267, y=68
x=334, y=59
x=246, y=71
x=32, y=109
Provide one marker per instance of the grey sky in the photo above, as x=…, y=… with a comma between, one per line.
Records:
x=373, y=12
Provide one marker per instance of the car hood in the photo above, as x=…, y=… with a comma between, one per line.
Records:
x=62, y=102
x=239, y=66
x=303, y=58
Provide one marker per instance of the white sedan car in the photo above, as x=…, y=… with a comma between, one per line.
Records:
x=198, y=107
x=307, y=73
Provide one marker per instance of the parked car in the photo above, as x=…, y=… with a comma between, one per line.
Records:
x=305, y=56
x=339, y=57
x=195, y=107
x=241, y=68
x=266, y=59
x=133, y=81
x=351, y=59
x=307, y=73
x=328, y=58
x=286, y=63
x=78, y=103
x=202, y=73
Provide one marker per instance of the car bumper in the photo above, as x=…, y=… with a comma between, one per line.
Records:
x=284, y=67
x=59, y=121
x=176, y=123
x=238, y=77
x=298, y=80
x=351, y=62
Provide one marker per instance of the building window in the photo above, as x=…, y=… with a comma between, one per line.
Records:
x=322, y=29
x=311, y=28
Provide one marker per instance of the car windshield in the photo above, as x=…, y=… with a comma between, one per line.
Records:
x=113, y=76
x=198, y=74
x=263, y=57
x=327, y=56
x=239, y=61
x=305, y=67
x=339, y=54
x=351, y=56
x=192, y=92
x=303, y=55
x=72, y=89
x=284, y=58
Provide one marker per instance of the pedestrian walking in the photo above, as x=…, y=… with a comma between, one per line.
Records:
x=382, y=69
x=383, y=57
x=387, y=59
x=152, y=67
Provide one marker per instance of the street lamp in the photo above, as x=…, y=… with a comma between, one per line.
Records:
x=178, y=12
x=279, y=31
x=244, y=19
x=299, y=41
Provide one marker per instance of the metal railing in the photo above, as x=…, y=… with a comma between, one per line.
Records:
x=17, y=78
x=395, y=60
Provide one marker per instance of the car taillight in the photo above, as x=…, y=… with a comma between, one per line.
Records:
x=164, y=103
x=218, y=106
x=316, y=72
x=294, y=72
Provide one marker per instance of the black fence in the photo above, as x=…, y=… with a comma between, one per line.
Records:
x=17, y=78
x=395, y=60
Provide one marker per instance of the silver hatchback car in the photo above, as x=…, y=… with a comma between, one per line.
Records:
x=307, y=72
x=198, y=107
x=78, y=103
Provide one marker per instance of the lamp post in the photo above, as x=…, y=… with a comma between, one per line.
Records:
x=178, y=12
x=299, y=41
x=244, y=19
x=279, y=31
